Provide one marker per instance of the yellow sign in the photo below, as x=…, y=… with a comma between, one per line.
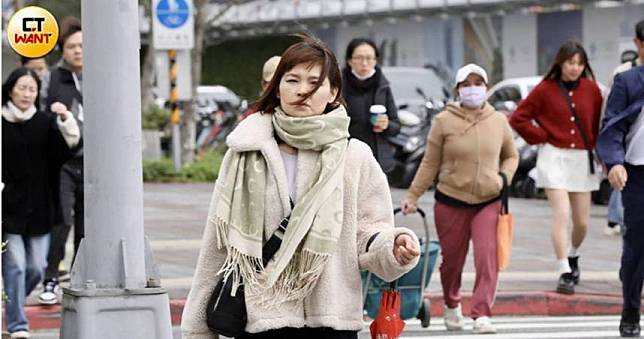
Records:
x=32, y=32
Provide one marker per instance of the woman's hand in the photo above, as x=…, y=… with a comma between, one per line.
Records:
x=382, y=124
x=407, y=207
x=60, y=110
x=405, y=249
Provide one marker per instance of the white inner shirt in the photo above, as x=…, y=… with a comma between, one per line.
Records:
x=635, y=142
x=290, y=165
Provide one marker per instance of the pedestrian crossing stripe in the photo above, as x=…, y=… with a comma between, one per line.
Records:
x=535, y=335
x=520, y=328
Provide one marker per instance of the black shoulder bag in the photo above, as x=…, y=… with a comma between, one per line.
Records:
x=225, y=314
x=584, y=137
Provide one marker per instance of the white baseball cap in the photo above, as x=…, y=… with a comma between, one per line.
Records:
x=468, y=69
x=269, y=68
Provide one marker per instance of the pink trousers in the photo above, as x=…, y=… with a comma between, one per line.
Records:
x=455, y=227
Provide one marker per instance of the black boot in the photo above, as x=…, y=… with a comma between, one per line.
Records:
x=566, y=284
x=574, y=266
x=629, y=326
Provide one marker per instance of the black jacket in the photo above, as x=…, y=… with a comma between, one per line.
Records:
x=59, y=86
x=360, y=95
x=32, y=155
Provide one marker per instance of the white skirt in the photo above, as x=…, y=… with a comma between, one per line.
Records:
x=566, y=169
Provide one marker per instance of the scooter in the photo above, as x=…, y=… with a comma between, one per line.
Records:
x=410, y=142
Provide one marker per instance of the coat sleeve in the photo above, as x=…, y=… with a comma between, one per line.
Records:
x=392, y=112
x=430, y=164
x=375, y=224
x=193, y=320
x=610, y=143
x=523, y=117
x=59, y=150
x=69, y=130
x=509, y=154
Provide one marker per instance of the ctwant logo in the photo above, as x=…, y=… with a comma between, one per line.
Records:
x=32, y=32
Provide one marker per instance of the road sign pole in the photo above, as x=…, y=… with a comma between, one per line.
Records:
x=175, y=116
x=115, y=290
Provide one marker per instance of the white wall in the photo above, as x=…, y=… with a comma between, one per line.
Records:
x=519, y=45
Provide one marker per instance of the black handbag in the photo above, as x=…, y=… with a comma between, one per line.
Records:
x=226, y=314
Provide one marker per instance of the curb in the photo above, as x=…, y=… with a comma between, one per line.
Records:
x=542, y=303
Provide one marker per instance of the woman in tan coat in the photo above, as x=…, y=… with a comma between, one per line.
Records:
x=469, y=150
x=297, y=149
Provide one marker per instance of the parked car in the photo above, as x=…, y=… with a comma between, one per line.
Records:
x=419, y=94
x=208, y=97
x=505, y=96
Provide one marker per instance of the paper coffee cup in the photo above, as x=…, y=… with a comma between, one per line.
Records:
x=375, y=111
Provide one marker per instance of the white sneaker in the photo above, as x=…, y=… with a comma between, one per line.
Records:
x=483, y=325
x=49, y=294
x=453, y=318
x=613, y=231
x=20, y=335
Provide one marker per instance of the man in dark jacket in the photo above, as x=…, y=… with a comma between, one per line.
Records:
x=621, y=146
x=62, y=86
x=364, y=86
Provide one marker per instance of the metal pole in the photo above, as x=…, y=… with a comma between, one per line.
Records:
x=110, y=294
x=175, y=116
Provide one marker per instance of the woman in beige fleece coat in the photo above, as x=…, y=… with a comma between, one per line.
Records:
x=297, y=148
x=469, y=150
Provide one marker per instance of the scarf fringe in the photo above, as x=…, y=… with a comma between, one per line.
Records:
x=296, y=282
x=243, y=268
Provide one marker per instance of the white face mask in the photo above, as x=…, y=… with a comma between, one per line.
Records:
x=472, y=96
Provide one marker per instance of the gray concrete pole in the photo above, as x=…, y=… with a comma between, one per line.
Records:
x=114, y=292
x=112, y=148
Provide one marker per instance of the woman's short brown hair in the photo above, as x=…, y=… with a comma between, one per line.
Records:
x=308, y=51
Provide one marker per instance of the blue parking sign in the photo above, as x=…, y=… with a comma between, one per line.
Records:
x=172, y=13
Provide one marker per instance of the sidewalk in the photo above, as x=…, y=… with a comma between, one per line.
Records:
x=175, y=215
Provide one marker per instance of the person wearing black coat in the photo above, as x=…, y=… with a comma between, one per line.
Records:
x=63, y=86
x=365, y=86
x=35, y=144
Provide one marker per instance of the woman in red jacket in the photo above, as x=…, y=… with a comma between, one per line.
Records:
x=566, y=107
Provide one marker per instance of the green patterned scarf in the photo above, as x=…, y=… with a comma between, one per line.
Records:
x=316, y=220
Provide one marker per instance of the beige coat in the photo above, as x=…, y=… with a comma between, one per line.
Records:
x=336, y=301
x=465, y=151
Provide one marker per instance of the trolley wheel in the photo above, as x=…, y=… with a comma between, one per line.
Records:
x=424, y=313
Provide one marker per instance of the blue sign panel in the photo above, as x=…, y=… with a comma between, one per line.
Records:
x=173, y=13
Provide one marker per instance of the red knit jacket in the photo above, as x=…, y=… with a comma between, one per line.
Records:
x=547, y=106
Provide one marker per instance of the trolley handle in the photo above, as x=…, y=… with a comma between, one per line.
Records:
x=418, y=210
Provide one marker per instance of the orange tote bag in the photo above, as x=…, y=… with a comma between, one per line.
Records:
x=504, y=229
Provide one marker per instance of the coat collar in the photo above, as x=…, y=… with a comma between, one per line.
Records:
x=252, y=134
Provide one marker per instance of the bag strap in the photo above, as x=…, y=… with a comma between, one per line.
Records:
x=505, y=194
x=582, y=132
x=275, y=241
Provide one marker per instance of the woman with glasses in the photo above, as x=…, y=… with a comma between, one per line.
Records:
x=370, y=103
